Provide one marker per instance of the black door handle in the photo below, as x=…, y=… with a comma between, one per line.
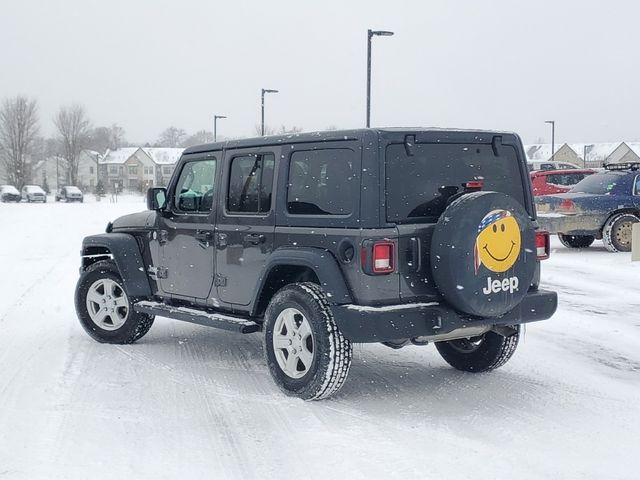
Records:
x=255, y=238
x=203, y=235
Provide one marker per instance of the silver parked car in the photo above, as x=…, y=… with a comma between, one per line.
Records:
x=69, y=194
x=33, y=193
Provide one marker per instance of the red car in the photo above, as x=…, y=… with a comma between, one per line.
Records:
x=546, y=182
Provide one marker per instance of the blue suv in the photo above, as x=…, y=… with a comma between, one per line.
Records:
x=604, y=205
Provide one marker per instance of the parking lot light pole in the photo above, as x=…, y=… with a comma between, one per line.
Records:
x=264, y=90
x=215, y=126
x=370, y=35
x=553, y=137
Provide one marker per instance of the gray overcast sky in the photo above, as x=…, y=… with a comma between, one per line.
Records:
x=481, y=64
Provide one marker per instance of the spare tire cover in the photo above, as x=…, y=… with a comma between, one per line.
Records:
x=483, y=254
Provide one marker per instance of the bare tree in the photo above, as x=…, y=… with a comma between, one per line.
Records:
x=198, y=138
x=18, y=131
x=171, y=137
x=103, y=138
x=73, y=127
x=268, y=130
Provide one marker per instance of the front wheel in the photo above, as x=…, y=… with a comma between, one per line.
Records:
x=576, y=241
x=307, y=355
x=104, y=309
x=479, y=354
x=616, y=234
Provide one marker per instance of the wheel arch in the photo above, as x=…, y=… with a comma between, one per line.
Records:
x=293, y=265
x=123, y=249
x=632, y=210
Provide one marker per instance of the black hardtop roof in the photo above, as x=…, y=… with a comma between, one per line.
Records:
x=335, y=135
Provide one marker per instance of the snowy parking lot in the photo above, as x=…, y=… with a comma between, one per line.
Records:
x=192, y=402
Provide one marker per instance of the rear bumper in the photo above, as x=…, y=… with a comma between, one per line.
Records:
x=571, y=224
x=370, y=324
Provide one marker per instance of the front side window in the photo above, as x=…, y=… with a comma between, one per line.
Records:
x=195, y=188
x=251, y=183
x=322, y=182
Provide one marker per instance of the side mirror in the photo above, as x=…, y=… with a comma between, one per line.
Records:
x=156, y=198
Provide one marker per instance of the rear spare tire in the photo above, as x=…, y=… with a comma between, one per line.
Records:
x=483, y=254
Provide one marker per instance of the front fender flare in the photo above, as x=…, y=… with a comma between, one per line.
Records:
x=126, y=254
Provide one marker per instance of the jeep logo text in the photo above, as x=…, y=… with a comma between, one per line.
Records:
x=507, y=285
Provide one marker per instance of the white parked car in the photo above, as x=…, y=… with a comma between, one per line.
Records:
x=33, y=193
x=69, y=194
x=535, y=165
x=9, y=193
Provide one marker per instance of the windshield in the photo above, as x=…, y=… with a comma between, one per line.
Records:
x=599, y=184
x=418, y=187
x=33, y=189
x=73, y=190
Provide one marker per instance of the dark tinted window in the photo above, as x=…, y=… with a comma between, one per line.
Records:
x=419, y=187
x=599, y=183
x=194, y=190
x=251, y=183
x=565, y=179
x=322, y=182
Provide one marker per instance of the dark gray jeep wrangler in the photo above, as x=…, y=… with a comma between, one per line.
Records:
x=327, y=239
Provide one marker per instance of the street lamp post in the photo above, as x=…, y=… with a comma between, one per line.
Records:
x=215, y=126
x=553, y=137
x=264, y=90
x=370, y=35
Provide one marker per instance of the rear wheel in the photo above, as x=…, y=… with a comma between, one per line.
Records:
x=307, y=355
x=104, y=309
x=576, y=241
x=479, y=354
x=616, y=234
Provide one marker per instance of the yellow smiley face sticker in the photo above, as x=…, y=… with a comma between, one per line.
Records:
x=498, y=241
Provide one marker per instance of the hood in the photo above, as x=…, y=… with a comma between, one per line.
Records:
x=139, y=220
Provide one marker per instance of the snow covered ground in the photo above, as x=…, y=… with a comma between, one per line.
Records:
x=193, y=402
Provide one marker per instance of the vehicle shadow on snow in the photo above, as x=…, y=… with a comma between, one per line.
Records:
x=417, y=378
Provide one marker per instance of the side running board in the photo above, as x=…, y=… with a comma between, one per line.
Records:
x=217, y=320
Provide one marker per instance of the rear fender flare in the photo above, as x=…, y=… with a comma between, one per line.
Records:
x=320, y=261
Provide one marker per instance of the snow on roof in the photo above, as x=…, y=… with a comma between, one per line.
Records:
x=119, y=156
x=595, y=151
x=159, y=156
x=164, y=156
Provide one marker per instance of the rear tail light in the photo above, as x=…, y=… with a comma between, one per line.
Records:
x=567, y=207
x=543, y=245
x=378, y=257
x=383, y=257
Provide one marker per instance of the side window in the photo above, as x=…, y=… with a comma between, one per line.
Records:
x=251, y=183
x=636, y=188
x=321, y=182
x=195, y=187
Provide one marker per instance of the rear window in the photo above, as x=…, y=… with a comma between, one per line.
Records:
x=565, y=179
x=599, y=184
x=419, y=187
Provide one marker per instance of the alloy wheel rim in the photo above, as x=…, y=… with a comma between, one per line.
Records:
x=466, y=345
x=107, y=304
x=623, y=235
x=293, y=343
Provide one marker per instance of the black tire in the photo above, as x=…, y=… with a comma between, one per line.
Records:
x=576, y=241
x=479, y=354
x=332, y=353
x=136, y=324
x=616, y=233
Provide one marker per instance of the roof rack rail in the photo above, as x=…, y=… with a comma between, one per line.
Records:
x=622, y=166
